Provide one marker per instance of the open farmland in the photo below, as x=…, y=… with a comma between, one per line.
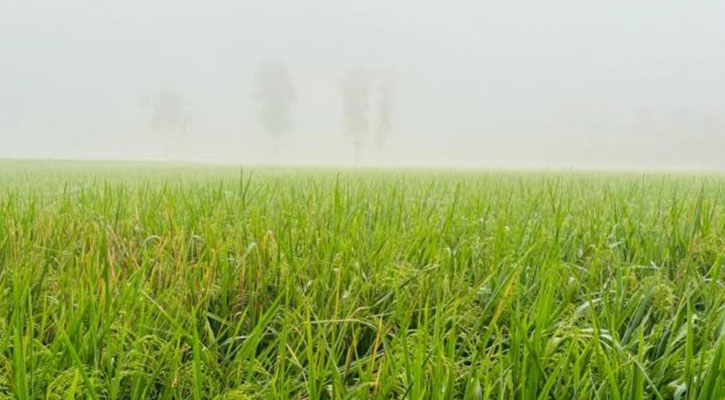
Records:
x=134, y=281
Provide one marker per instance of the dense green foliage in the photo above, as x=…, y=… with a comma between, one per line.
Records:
x=149, y=281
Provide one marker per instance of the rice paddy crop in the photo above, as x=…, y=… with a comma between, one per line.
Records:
x=136, y=281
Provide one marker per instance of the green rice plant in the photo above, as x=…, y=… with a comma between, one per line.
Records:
x=142, y=280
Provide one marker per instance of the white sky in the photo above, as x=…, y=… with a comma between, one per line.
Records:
x=583, y=83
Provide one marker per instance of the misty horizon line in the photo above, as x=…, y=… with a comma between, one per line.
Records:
x=442, y=166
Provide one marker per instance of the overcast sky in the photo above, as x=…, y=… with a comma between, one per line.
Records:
x=555, y=83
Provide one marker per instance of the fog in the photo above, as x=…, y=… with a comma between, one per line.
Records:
x=580, y=83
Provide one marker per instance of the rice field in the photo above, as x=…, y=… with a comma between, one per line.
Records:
x=156, y=281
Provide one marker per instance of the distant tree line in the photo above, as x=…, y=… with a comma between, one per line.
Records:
x=366, y=100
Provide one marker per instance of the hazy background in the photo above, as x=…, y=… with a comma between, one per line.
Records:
x=583, y=83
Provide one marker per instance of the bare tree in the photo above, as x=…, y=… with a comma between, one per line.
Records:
x=172, y=119
x=355, y=91
x=276, y=95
